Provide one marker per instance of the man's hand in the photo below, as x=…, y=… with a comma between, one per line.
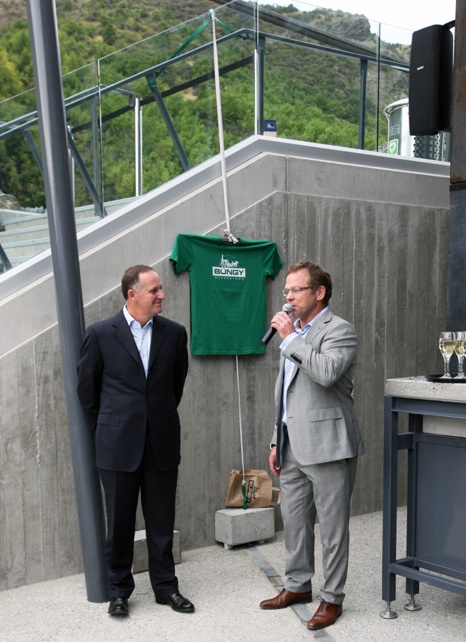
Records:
x=283, y=324
x=272, y=462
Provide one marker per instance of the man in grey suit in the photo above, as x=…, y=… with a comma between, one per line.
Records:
x=316, y=440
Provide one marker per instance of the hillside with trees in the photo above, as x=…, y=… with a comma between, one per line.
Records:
x=313, y=94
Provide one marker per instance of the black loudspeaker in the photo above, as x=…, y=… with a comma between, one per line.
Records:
x=430, y=80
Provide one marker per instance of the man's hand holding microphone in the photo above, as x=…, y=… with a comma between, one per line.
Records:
x=281, y=323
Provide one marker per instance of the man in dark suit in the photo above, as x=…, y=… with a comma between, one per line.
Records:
x=131, y=374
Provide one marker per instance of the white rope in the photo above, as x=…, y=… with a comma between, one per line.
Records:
x=256, y=93
x=219, y=118
x=256, y=69
x=240, y=418
x=226, y=204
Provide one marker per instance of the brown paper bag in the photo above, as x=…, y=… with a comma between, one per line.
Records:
x=258, y=489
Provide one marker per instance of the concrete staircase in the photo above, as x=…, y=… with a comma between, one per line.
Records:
x=24, y=234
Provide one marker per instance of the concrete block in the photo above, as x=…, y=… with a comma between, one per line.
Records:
x=140, y=551
x=234, y=526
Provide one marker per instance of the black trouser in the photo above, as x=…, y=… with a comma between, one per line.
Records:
x=158, y=491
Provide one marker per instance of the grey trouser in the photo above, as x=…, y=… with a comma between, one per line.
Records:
x=320, y=491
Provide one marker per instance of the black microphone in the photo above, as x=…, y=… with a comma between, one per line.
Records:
x=287, y=307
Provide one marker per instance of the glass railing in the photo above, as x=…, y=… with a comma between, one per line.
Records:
x=24, y=225
x=166, y=98
x=147, y=113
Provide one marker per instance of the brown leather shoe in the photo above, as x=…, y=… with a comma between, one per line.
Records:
x=326, y=615
x=286, y=598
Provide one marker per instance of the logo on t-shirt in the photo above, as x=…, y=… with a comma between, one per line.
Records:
x=228, y=269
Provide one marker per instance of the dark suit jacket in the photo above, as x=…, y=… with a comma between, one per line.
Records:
x=123, y=405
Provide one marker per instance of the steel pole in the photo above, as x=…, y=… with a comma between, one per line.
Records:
x=65, y=260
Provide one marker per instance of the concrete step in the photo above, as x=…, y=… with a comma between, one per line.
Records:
x=23, y=242
x=23, y=232
x=19, y=234
x=9, y=220
x=17, y=260
x=29, y=247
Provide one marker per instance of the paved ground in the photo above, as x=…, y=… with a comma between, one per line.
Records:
x=226, y=587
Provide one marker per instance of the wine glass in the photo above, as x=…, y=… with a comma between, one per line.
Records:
x=447, y=344
x=460, y=352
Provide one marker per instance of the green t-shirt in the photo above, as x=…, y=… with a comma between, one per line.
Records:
x=228, y=291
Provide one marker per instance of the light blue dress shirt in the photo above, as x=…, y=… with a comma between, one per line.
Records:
x=289, y=365
x=142, y=336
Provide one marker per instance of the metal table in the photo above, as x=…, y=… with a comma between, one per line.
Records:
x=435, y=445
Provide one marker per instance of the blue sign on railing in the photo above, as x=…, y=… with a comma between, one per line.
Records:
x=270, y=128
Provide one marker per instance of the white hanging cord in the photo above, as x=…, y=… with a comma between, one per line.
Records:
x=256, y=92
x=229, y=237
x=240, y=417
x=227, y=231
x=221, y=128
x=256, y=73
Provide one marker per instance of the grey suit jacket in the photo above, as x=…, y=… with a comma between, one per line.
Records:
x=321, y=421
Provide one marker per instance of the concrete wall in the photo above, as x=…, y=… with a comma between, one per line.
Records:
x=381, y=227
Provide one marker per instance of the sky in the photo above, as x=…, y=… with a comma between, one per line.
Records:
x=409, y=15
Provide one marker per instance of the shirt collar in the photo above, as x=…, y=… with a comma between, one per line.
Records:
x=298, y=330
x=130, y=319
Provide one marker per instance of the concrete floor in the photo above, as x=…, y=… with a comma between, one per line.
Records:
x=226, y=587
